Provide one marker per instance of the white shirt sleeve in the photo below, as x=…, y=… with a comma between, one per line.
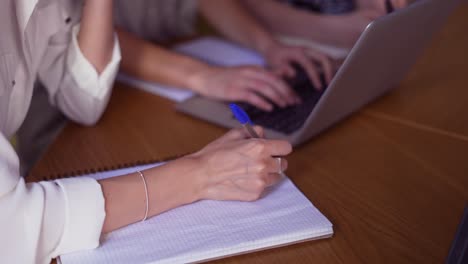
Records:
x=84, y=72
x=73, y=83
x=39, y=221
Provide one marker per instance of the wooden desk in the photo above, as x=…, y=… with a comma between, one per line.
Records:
x=392, y=178
x=434, y=92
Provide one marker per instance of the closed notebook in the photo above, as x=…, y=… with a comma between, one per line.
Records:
x=208, y=230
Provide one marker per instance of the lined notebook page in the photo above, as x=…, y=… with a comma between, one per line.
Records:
x=210, y=229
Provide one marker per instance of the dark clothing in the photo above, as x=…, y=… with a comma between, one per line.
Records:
x=325, y=6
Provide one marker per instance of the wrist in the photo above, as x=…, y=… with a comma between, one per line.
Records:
x=171, y=185
x=198, y=77
x=193, y=177
x=266, y=46
x=94, y=6
x=270, y=50
x=199, y=177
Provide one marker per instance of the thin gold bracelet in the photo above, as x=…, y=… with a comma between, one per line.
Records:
x=146, y=194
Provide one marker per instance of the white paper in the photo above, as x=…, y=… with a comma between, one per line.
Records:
x=210, y=229
x=172, y=93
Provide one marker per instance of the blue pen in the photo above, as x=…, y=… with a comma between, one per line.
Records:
x=244, y=119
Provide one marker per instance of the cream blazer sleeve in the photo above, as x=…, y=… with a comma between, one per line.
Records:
x=39, y=221
x=72, y=82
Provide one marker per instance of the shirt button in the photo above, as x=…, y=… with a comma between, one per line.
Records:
x=68, y=20
x=13, y=83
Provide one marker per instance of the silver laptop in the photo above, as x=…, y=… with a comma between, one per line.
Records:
x=379, y=60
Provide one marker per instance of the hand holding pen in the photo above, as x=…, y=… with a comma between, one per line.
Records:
x=245, y=121
x=236, y=168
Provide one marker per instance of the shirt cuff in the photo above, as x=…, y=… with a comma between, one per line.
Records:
x=85, y=74
x=84, y=214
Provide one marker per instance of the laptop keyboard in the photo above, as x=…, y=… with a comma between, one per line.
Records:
x=291, y=118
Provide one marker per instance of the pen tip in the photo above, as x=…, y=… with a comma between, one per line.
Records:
x=239, y=114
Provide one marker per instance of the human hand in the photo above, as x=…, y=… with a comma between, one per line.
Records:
x=236, y=168
x=251, y=84
x=280, y=58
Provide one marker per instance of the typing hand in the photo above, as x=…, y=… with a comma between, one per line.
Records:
x=236, y=168
x=281, y=57
x=251, y=84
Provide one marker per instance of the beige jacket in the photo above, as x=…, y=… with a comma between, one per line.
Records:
x=38, y=40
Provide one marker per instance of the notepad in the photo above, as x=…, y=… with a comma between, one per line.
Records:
x=209, y=229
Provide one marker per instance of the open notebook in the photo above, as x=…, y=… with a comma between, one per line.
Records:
x=210, y=229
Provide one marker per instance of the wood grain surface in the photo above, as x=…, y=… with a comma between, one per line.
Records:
x=393, y=178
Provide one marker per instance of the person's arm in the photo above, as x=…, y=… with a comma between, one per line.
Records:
x=151, y=62
x=230, y=168
x=39, y=221
x=96, y=34
x=234, y=21
x=78, y=69
x=42, y=220
x=337, y=30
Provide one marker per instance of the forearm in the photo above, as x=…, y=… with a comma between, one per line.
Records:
x=281, y=18
x=229, y=168
x=96, y=35
x=232, y=20
x=368, y=4
x=148, y=61
x=169, y=186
